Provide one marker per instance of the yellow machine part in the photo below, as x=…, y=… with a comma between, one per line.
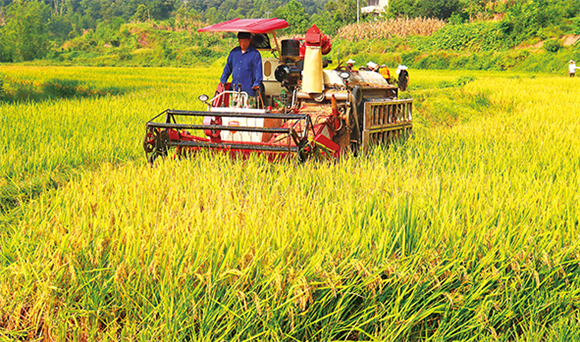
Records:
x=312, y=74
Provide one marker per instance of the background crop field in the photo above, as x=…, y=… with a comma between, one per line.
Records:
x=467, y=231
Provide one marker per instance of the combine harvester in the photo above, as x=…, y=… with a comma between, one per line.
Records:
x=306, y=111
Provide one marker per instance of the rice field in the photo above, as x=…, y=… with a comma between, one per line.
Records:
x=466, y=232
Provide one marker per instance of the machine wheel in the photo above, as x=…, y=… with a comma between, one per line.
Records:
x=149, y=141
x=160, y=150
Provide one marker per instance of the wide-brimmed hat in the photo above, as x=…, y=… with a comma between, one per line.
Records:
x=400, y=68
x=350, y=61
x=571, y=61
x=383, y=66
x=372, y=64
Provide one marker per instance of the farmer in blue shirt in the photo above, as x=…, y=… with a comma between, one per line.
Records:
x=245, y=65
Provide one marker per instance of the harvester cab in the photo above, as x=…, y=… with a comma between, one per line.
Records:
x=304, y=110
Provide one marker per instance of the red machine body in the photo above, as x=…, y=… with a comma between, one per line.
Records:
x=282, y=135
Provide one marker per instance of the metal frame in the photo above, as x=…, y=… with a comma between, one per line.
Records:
x=384, y=121
x=161, y=136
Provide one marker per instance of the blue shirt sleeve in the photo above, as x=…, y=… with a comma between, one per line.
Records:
x=227, y=69
x=257, y=67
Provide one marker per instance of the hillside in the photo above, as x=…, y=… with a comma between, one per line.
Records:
x=418, y=43
x=539, y=36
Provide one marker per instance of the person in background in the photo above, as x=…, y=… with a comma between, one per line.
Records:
x=245, y=65
x=572, y=68
x=350, y=65
x=403, y=77
x=372, y=66
x=383, y=70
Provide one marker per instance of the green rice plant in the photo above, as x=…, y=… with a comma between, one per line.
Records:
x=42, y=141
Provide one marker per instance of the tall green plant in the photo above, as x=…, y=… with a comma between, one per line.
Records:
x=484, y=36
x=525, y=19
x=431, y=9
x=293, y=12
x=1, y=88
x=24, y=36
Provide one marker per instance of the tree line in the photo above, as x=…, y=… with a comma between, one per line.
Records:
x=30, y=28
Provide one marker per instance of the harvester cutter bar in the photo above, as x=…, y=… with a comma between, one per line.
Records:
x=233, y=146
x=237, y=115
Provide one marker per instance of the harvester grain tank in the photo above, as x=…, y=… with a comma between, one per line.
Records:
x=306, y=110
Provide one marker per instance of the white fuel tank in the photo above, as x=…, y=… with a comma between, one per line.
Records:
x=237, y=136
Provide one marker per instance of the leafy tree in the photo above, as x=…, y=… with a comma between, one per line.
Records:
x=261, y=7
x=336, y=14
x=141, y=14
x=471, y=8
x=293, y=12
x=186, y=11
x=233, y=15
x=161, y=9
x=58, y=6
x=244, y=7
x=525, y=19
x=313, y=6
x=24, y=37
x=91, y=8
x=324, y=22
x=441, y=9
x=59, y=27
x=228, y=7
x=343, y=11
x=86, y=22
x=213, y=16
x=110, y=10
